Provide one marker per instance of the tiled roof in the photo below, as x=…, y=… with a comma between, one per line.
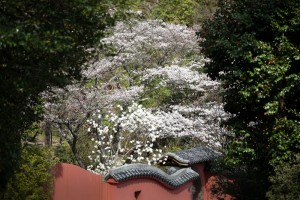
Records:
x=134, y=171
x=191, y=156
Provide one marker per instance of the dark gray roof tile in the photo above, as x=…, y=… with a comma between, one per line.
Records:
x=134, y=171
x=192, y=156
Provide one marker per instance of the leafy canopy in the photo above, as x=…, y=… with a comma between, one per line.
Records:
x=254, y=51
x=33, y=180
x=286, y=181
x=43, y=43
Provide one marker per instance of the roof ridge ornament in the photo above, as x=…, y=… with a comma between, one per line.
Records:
x=134, y=171
x=188, y=157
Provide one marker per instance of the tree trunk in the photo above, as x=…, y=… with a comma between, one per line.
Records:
x=48, y=134
x=78, y=158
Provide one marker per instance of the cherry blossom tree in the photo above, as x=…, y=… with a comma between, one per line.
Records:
x=157, y=65
x=67, y=109
x=127, y=137
x=133, y=135
x=137, y=45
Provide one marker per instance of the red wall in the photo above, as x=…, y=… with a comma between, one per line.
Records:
x=149, y=189
x=75, y=183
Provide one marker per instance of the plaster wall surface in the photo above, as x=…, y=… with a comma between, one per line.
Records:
x=75, y=183
x=147, y=189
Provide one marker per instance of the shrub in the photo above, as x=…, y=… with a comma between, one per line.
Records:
x=286, y=181
x=33, y=179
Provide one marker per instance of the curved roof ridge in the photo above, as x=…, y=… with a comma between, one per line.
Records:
x=192, y=156
x=182, y=161
x=134, y=171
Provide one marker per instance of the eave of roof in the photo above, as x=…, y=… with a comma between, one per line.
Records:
x=190, y=157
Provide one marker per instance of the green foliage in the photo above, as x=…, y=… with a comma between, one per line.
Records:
x=254, y=51
x=205, y=10
x=155, y=94
x=174, y=144
x=43, y=44
x=237, y=181
x=63, y=153
x=33, y=178
x=286, y=181
x=188, y=12
x=178, y=12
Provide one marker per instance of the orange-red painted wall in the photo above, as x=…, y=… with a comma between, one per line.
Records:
x=75, y=183
x=151, y=190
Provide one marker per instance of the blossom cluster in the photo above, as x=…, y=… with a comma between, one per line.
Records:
x=145, y=44
x=186, y=75
x=132, y=135
x=126, y=138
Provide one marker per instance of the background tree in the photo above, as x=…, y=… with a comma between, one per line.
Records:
x=155, y=64
x=286, y=181
x=42, y=44
x=137, y=134
x=127, y=137
x=254, y=50
x=67, y=110
x=33, y=179
x=158, y=65
x=187, y=12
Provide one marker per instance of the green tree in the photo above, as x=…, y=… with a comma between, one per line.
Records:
x=179, y=11
x=188, y=12
x=33, y=180
x=286, y=181
x=43, y=43
x=253, y=48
